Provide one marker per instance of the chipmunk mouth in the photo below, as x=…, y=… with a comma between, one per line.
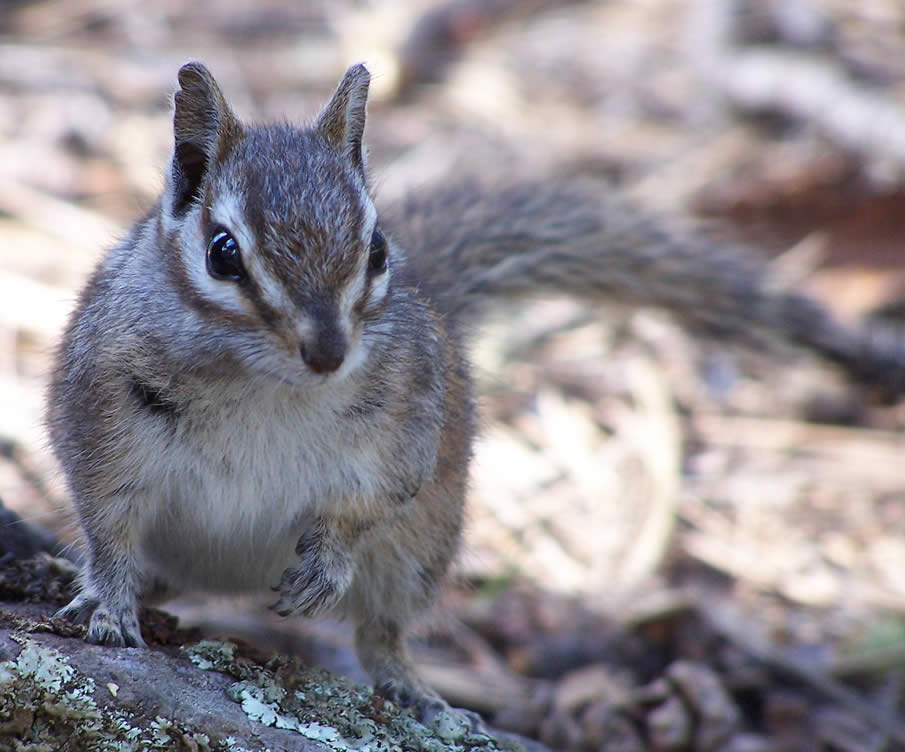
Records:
x=306, y=370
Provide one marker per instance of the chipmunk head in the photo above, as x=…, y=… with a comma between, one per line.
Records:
x=272, y=231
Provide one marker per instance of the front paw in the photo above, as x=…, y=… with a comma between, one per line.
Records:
x=314, y=585
x=107, y=625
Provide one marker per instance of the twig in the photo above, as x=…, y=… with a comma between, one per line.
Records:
x=849, y=444
x=663, y=458
x=809, y=89
x=819, y=681
x=66, y=221
x=11, y=450
x=892, y=694
x=868, y=662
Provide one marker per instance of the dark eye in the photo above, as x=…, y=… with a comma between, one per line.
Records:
x=223, y=258
x=377, y=261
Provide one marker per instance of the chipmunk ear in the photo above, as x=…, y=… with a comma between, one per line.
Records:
x=203, y=124
x=342, y=121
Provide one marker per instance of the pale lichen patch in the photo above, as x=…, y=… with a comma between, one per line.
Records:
x=47, y=667
x=333, y=711
x=61, y=711
x=210, y=654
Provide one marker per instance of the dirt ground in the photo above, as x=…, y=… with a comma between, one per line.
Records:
x=672, y=545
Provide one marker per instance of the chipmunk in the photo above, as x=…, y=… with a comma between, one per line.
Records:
x=265, y=384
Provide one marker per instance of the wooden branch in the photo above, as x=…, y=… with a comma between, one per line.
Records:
x=808, y=86
x=815, y=91
x=57, y=691
x=821, y=682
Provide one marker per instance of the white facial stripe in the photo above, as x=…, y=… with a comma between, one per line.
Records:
x=370, y=220
x=225, y=295
x=356, y=286
x=356, y=356
x=351, y=294
x=379, y=284
x=272, y=291
x=228, y=213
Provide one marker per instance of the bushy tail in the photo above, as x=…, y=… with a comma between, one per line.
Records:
x=471, y=244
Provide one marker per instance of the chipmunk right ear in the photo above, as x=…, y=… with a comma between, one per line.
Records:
x=203, y=125
x=342, y=121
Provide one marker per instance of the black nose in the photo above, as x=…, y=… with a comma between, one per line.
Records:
x=326, y=354
x=325, y=349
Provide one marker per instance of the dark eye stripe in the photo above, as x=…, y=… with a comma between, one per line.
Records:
x=267, y=312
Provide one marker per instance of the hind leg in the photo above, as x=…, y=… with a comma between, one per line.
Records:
x=397, y=579
x=384, y=654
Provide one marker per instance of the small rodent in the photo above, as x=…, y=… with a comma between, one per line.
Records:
x=265, y=384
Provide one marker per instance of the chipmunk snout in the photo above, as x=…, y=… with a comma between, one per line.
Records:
x=324, y=358
x=325, y=347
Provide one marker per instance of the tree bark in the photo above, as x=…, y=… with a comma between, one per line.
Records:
x=183, y=693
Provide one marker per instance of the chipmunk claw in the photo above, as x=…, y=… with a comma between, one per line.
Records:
x=312, y=586
x=110, y=626
x=304, y=592
x=79, y=609
x=432, y=710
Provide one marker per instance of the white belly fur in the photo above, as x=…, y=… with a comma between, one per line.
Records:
x=237, y=485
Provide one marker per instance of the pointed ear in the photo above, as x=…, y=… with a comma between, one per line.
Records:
x=203, y=124
x=342, y=121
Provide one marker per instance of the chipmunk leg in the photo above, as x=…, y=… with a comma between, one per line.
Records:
x=110, y=582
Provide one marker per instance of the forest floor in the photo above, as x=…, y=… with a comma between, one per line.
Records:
x=672, y=545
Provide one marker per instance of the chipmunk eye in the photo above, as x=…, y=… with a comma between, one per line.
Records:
x=223, y=258
x=377, y=260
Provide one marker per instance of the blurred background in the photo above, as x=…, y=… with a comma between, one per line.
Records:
x=671, y=545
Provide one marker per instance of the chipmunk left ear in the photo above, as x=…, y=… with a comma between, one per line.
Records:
x=203, y=128
x=342, y=121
